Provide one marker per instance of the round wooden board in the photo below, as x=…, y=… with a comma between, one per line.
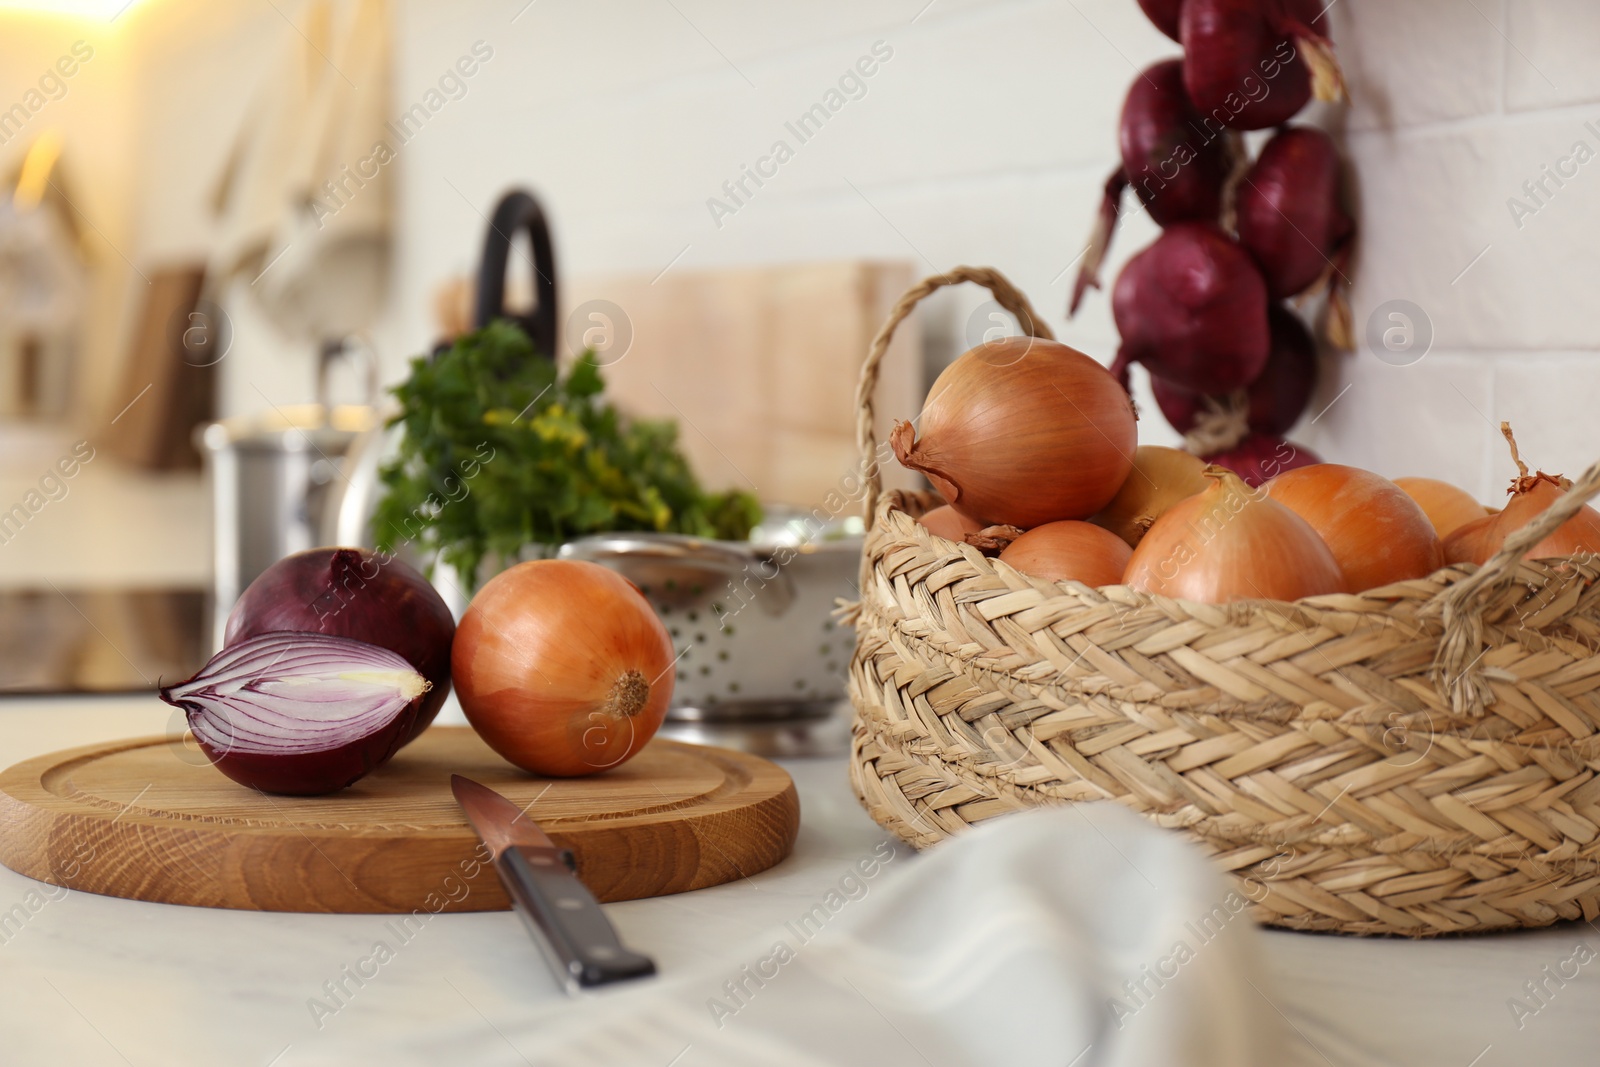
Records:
x=150, y=819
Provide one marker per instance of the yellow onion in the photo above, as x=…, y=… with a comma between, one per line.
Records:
x=1022, y=432
x=1232, y=542
x=1375, y=531
x=949, y=523
x=1531, y=494
x=1070, y=551
x=562, y=667
x=1160, y=478
x=1447, y=507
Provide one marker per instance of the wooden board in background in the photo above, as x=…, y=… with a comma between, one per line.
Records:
x=149, y=819
x=174, y=395
x=759, y=366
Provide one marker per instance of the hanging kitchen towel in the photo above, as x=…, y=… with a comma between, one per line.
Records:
x=304, y=203
x=1073, y=936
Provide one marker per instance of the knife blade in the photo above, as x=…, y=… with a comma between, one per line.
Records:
x=541, y=879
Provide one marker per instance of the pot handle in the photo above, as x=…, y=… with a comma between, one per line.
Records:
x=1464, y=604
x=1006, y=295
x=519, y=210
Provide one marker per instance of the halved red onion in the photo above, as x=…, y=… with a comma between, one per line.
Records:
x=300, y=713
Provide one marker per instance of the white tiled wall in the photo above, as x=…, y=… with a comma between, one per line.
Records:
x=1455, y=106
x=983, y=139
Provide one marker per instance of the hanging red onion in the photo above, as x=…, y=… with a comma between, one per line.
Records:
x=1290, y=215
x=1273, y=403
x=1193, y=309
x=1260, y=458
x=350, y=592
x=1164, y=13
x=1176, y=168
x=300, y=713
x=1251, y=64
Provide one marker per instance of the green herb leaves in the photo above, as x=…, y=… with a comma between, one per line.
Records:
x=501, y=451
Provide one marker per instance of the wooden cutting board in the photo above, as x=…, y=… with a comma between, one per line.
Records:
x=150, y=819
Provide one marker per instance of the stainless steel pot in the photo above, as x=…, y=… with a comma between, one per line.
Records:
x=274, y=477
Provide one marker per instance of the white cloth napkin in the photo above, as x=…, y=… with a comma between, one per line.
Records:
x=1069, y=936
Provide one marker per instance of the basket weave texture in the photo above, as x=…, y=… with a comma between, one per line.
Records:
x=1418, y=759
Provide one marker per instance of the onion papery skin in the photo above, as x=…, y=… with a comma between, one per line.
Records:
x=1164, y=13
x=1291, y=217
x=280, y=712
x=950, y=524
x=354, y=593
x=562, y=667
x=1021, y=432
x=1376, y=532
x=1175, y=170
x=1229, y=543
x=1260, y=458
x=1229, y=48
x=1160, y=478
x=1449, y=508
x=1476, y=541
x=1193, y=309
x=1278, y=396
x=1070, y=551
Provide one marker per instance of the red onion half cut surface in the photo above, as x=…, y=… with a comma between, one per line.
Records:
x=300, y=713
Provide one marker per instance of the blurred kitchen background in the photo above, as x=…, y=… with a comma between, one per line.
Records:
x=170, y=254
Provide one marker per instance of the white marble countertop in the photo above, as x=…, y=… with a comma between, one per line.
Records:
x=88, y=980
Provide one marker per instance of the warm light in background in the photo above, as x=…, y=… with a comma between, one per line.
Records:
x=36, y=168
x=101, y=10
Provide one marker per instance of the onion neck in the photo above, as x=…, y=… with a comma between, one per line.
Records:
x=628, y=696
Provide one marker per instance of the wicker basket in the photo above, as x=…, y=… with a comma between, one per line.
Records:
x=1418, y=759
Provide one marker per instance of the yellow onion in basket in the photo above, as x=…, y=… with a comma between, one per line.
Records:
x=1160, y=478
x=1232, y=542
x=1446, y=506
x=1070, y=551
x=1531, y=494
x=1377, y=533
x=949, y=523
x=1021, y=432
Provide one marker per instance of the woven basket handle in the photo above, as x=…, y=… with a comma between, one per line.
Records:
x=1005, y=294
x=1463, y=604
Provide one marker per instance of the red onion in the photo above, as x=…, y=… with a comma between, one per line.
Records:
x=1176, y=168
x=1277, y=398
x=1260, y=458
x=350, y=592
x=300, y=713
x=1289, y=213
x=1251, y=64
x=1164, y=13
x=1193, y=309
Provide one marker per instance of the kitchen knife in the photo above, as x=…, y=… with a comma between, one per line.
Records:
x=540, y=878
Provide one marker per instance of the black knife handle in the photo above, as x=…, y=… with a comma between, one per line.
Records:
x=566, y=920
